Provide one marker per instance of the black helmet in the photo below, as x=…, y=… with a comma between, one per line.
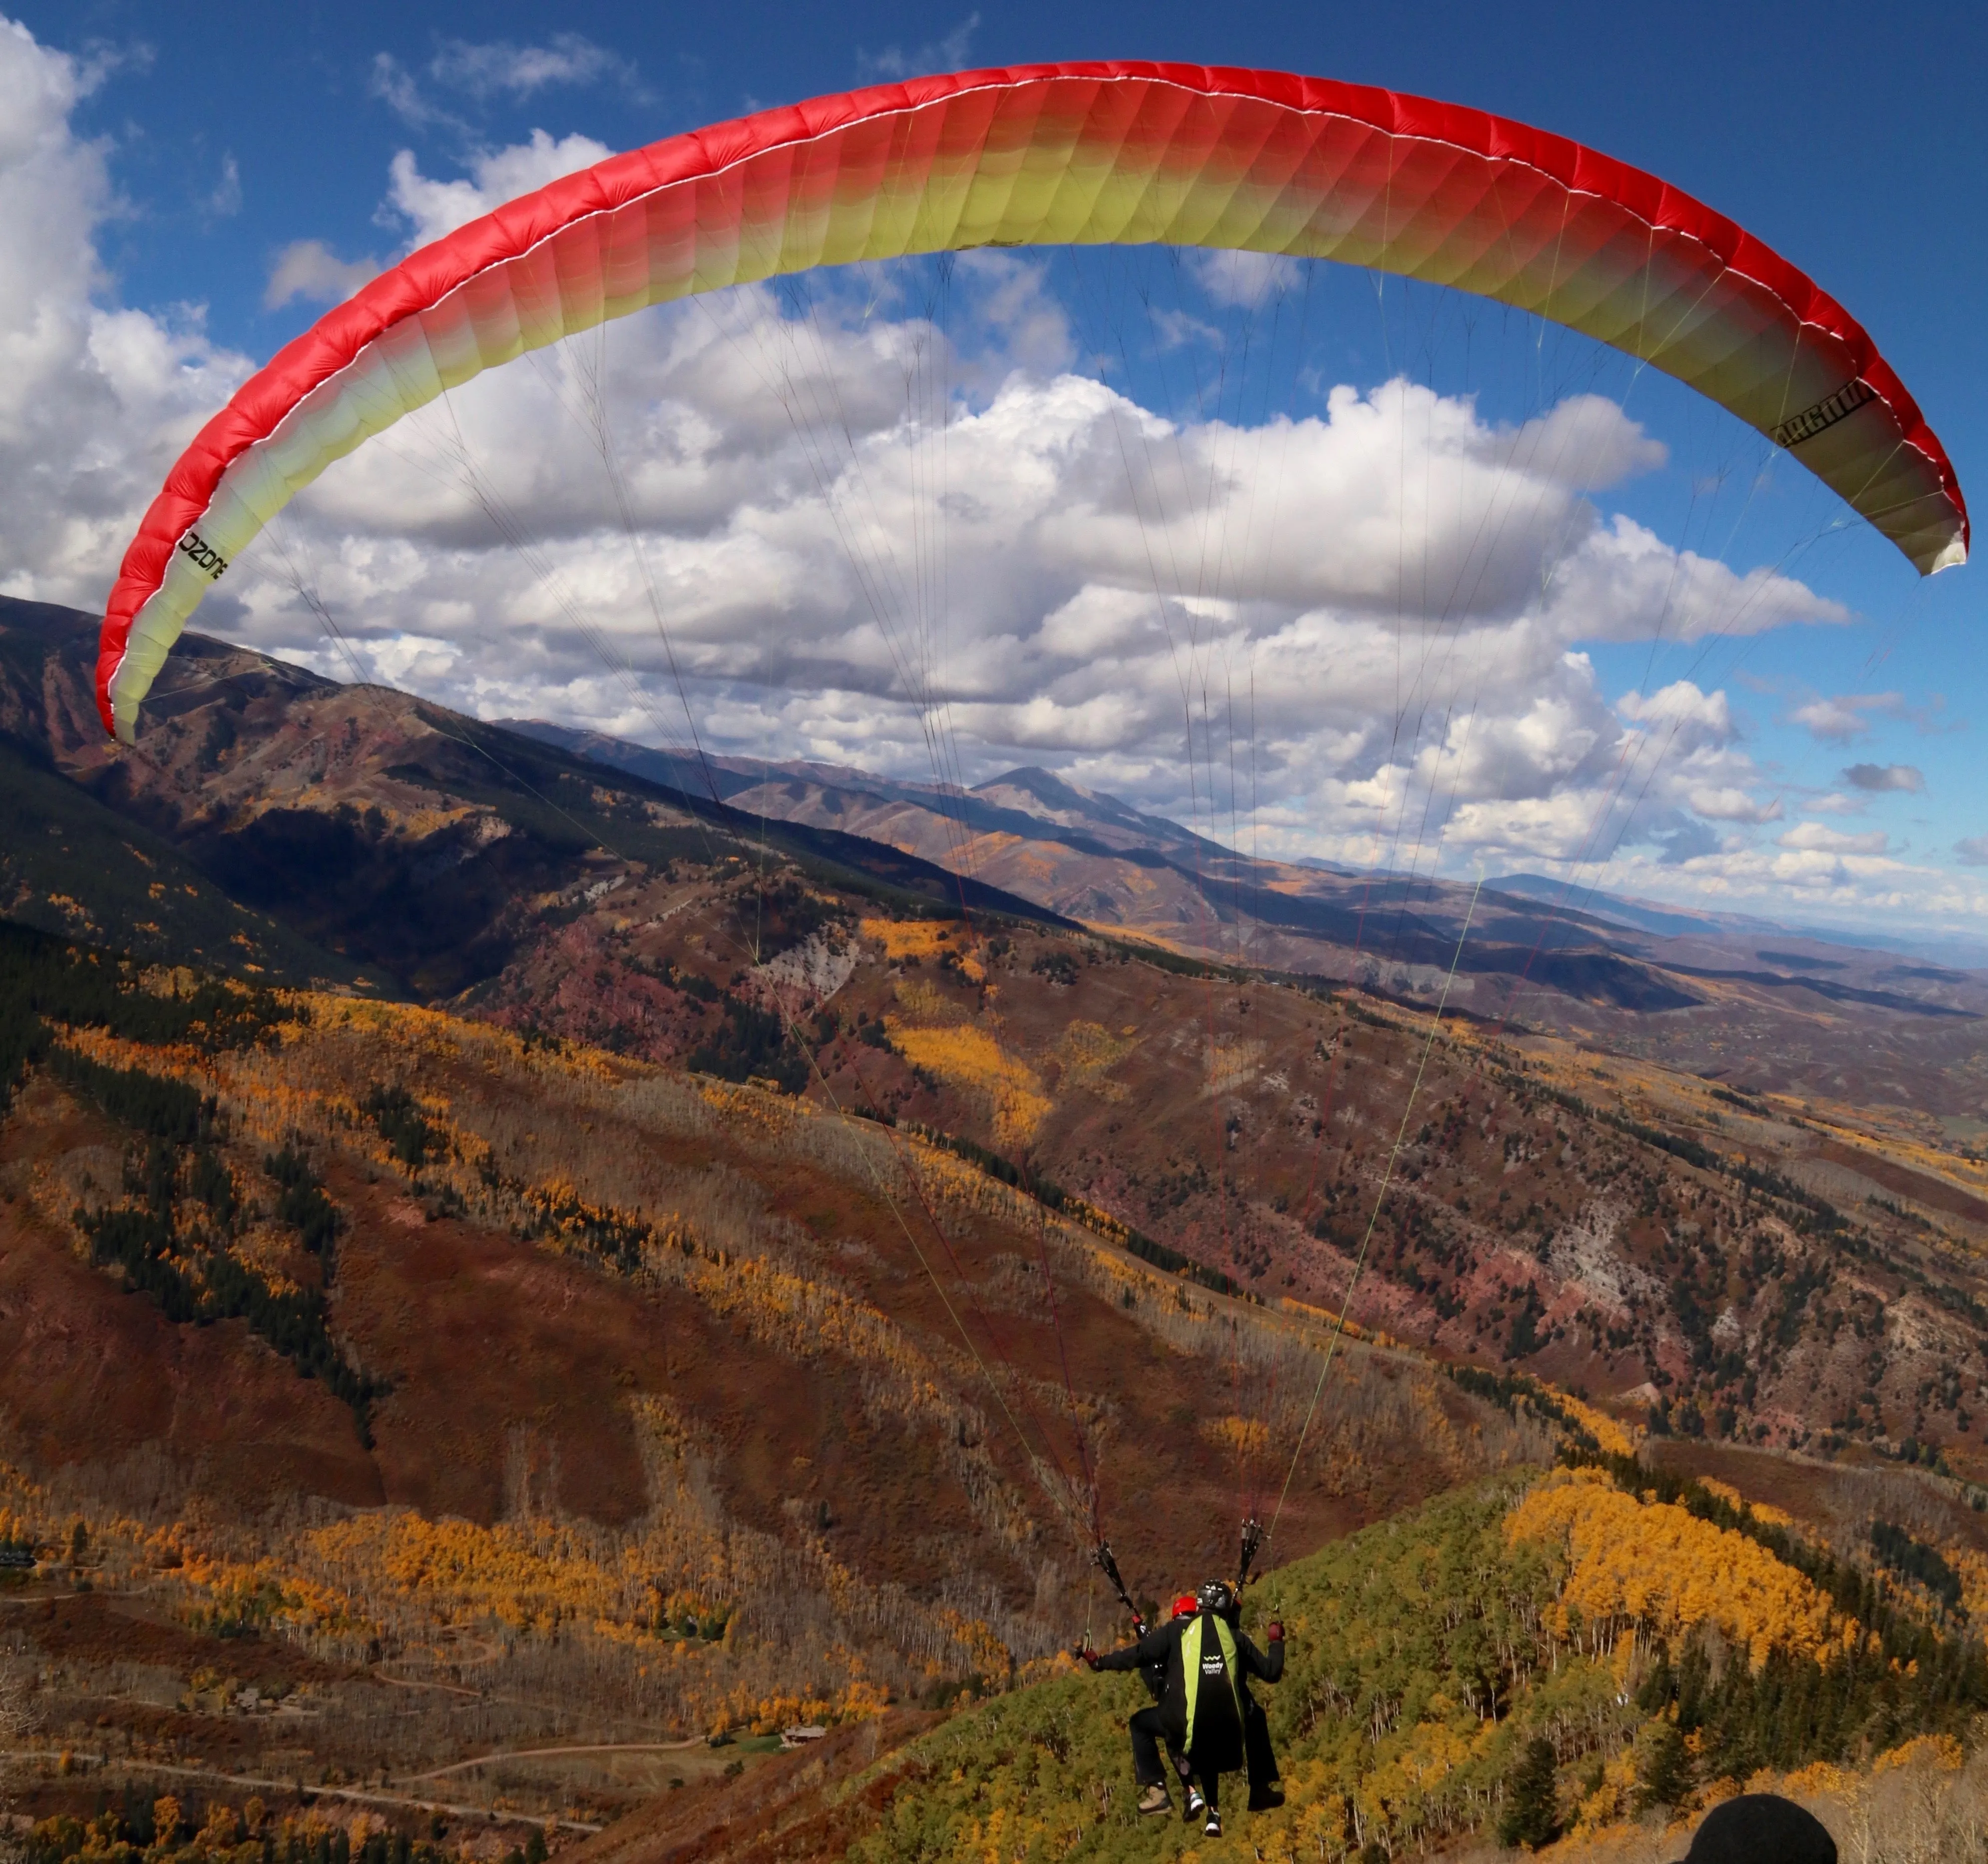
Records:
x=1217, y=1596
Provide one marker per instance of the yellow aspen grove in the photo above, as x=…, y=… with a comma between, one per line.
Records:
x=1653, y=1570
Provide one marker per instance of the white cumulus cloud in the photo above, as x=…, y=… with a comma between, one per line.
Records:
x=309, y=270
x=95, y=401
x=501, y=66
x=225, y=200
x=1886, y=776
x=433, y=208
x=1813, y=838
x=948, y=53
x=1846, y=716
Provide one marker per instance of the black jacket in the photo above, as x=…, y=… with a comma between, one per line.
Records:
x=1217, y=1735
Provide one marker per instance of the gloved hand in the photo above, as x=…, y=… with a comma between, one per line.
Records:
x=1090, y=1657
x=1275, y=1633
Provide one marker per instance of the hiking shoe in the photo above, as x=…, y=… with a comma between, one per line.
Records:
x=1154, y=1799
x=1213, y=1828
x=1196, y=1805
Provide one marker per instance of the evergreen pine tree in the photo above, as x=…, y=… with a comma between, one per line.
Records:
x=1659, y=1684
x=1532, y=1811
x=1664, y=1777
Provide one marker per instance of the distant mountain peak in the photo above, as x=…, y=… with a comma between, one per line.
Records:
x=1044, y=784
x=1059, y=793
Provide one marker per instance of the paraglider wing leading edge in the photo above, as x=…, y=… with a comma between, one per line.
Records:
x=1046, y=155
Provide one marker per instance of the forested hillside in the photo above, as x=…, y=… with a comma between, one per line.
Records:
x=599, y=1399
x=519, y=1373
x=1525, y=1660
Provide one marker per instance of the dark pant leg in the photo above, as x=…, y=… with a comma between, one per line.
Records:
x=1259, y=1756
x=1148, y=1731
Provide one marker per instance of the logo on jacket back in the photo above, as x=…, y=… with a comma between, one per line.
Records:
x=1210, y=1661
x=204, y=556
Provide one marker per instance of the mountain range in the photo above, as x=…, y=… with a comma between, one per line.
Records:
x=1748, y=1001
x=312, y=818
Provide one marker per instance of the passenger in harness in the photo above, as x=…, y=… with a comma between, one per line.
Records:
x=1203, y=1710
x=1155, y=1677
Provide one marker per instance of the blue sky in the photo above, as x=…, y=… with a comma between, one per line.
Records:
x=1853, y=139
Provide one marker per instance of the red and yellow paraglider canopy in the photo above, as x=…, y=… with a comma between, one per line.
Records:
x=1049, y=155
